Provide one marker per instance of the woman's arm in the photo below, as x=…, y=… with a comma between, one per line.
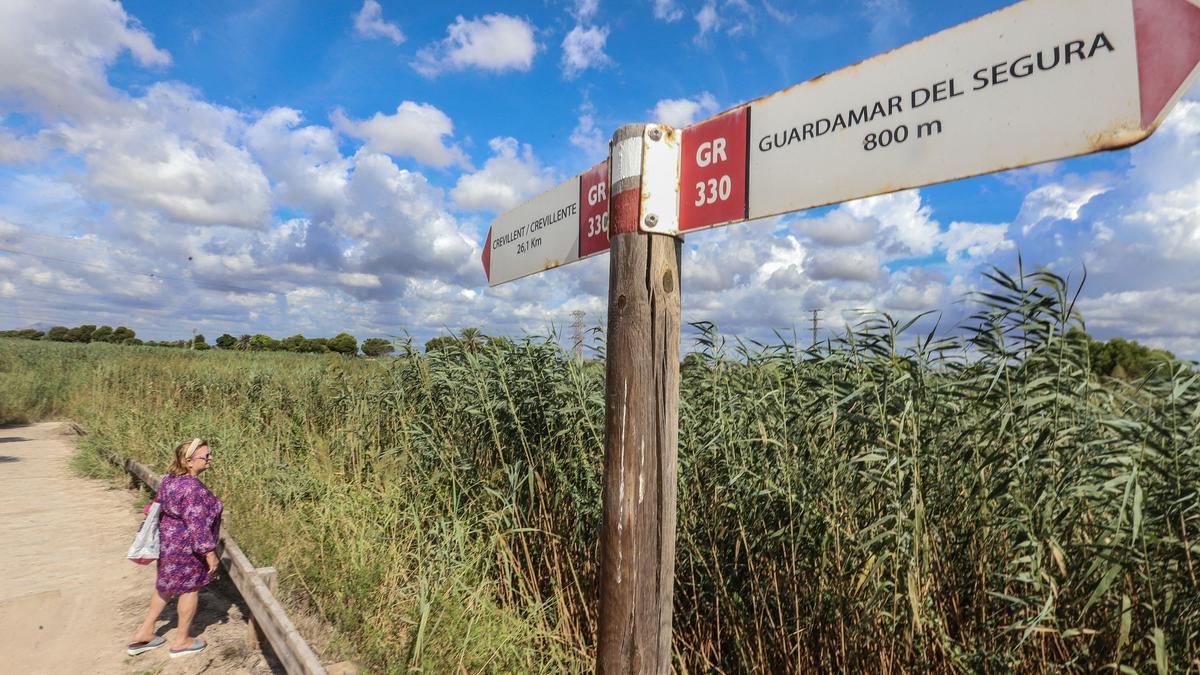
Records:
x=200, y=511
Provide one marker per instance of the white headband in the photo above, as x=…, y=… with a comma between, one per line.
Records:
x=192, y=448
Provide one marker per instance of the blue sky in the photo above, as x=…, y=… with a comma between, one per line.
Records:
x=287, y=167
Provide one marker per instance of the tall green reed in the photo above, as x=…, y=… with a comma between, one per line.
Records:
x=885, y=501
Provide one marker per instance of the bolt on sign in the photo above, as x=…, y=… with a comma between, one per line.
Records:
x=1037, y=81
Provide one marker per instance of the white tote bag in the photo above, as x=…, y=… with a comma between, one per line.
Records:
x=145, y=545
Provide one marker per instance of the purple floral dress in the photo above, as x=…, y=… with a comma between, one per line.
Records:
x=191, y=517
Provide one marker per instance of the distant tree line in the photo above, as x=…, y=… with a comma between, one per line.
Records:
x=468, y=340
x=85, y=333
x=1118, y=357
x=342, y=343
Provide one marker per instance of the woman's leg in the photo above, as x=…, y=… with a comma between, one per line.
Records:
x=145, y=632
x=186, y=609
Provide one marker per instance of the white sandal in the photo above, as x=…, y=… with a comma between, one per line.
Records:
x=198, y=645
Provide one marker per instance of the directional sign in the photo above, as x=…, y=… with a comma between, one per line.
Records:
x=1040, y=80
x=1037, y=81
x=567, y=223
x=1034, y=82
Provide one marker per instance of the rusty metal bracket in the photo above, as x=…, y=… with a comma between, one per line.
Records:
x=659, y=212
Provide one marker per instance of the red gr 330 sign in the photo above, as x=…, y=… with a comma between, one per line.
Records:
x=593, y=210
x=712, y=182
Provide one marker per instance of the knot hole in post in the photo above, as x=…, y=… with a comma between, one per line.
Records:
x=620, y=302
x=668, y=282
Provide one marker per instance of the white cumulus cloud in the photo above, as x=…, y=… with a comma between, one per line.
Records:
x=56, y=53
x=495, y=42
x=845, y=264
x=680, y=112
x=583, y=48
x=905, y=223
x=175, y=154
x=667, y=10
x=15, y=149
x=510, y=176
x=1058, y=201
x=415, y=130
x=587, y=136
x=303, y=162
x=974, y=240
x=585, y=10
x=838, y=228
x=369, y=23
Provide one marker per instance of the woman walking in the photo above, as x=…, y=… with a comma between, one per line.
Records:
x=190, y=519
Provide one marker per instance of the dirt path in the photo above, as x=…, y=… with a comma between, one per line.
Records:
x=68, y=598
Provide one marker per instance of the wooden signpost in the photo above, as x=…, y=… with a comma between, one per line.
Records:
x=1037, y=81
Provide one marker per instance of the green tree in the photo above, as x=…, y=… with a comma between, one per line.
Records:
x=441, y=342
x=377, y=347
x=123, y=335
x=343, y=343
x=24, y=333
x=502, y=343
x=82, y=333
x=226, y=341
x=693, y=363
x=294, y=343
x=472, y=339
x=1126, y=359
x=103, y=334
x=58, y=333
x=313, y=346
x=198, y=342
x=264, y=343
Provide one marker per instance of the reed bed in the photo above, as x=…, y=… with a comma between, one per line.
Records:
x=884, y=502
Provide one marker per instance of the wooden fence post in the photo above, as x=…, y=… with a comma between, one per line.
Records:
x=271, y=578
x=637, y=540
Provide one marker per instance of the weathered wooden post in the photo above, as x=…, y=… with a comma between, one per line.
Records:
x=637, y=541
x=270, y=577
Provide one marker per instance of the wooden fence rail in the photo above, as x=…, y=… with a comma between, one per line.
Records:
x=255, y=586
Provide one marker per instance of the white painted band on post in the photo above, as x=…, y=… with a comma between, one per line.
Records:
x=626, y=162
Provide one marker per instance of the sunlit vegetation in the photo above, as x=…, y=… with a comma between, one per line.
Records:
x=884, y=502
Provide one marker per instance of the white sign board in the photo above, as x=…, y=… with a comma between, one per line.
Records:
x=1041, y=80
x=1038, y=81
x=567, y=223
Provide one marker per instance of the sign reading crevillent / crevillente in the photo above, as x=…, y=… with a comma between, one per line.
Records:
x=567, y=223
x=1038, y=81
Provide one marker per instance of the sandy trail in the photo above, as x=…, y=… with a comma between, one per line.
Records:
x=68, y=597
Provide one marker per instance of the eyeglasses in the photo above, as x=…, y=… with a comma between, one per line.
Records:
x=206, y=458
